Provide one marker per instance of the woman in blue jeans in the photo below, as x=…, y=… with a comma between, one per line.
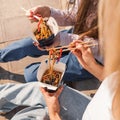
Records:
x=25, y=47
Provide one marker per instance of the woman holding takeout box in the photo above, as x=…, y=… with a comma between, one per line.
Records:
x=83, y=16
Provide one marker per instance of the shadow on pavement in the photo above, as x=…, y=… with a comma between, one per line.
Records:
x=4, y=74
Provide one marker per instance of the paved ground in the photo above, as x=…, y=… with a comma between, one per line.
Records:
x=12, y=20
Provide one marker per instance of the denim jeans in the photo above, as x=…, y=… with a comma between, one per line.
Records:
x=72, y=102
x=25, y=47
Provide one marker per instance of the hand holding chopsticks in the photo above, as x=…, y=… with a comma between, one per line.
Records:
x=35, y=16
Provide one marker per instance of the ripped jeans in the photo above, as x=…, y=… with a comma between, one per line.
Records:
x=72, y=102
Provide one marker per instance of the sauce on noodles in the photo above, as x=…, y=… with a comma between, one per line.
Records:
x=52, y=76
x=43, y=31
x=52, y=79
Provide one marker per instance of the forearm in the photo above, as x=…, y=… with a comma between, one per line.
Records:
x=97, y=70
x=66, y=17
x=62, y=17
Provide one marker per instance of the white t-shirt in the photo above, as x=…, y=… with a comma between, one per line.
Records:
x=100, y=107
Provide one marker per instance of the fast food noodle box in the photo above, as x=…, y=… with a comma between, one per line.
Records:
x=57, y=75
x=44, y=31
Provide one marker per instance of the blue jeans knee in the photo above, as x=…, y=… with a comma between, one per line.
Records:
x=30, y=72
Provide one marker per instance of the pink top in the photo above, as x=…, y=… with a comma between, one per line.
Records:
x=66, y=18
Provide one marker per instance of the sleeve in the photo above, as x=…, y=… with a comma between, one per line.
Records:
x=95, y=50
x=65, y=38
x=96, y=53
x=64, y=17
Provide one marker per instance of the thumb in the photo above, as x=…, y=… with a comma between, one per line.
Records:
x=44, y=92
x=59, y=91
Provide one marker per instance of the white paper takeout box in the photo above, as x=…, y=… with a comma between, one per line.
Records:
x=43, y=67
x=51, y=23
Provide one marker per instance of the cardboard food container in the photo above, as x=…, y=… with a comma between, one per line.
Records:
x=45, y=66
x=52, y=24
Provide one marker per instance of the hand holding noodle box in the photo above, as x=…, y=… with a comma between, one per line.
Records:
x=44, y=31
x=51, y=80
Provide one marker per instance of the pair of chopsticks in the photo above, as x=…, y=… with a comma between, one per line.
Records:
x=35, y=16
x=91, y=45
x=72, y=47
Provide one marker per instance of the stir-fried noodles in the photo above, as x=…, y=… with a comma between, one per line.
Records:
x=52, y=76
x=52, y=79
x=43, y=31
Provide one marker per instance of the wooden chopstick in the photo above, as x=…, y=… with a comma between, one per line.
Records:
x=90, y=45
x=61, y=47
x=35, y=16
x=67, y=46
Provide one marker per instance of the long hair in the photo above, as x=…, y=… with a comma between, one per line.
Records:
x=81, y=14
x=85, y=9
x=109, y=27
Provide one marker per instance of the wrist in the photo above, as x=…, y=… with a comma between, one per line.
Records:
x=97, y=70
x=54, y=116
x=48, y=11
x=90, y=67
